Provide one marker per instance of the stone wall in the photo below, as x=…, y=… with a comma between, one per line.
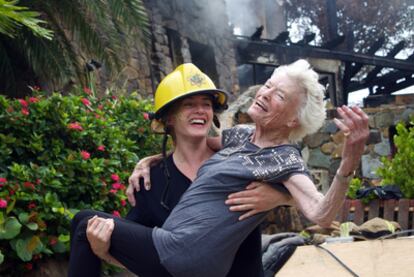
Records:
x=322, y=151
x=190, y=22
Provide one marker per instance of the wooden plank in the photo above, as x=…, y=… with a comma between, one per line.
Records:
x=403, y=209
x=374, y=207
x=392, y=257
x=359, y=212
x=389, y=209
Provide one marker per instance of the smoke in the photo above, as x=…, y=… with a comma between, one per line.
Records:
x=242, y=16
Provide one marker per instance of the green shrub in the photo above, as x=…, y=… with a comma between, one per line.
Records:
x=61, y=154
x=400, y=170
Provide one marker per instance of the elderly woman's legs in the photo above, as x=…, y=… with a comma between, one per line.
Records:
x=131, y=245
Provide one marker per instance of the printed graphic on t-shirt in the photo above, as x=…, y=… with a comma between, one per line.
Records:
x=265, y=163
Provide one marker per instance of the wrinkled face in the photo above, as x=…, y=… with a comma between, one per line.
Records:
x=193, y=117
x=276, y=103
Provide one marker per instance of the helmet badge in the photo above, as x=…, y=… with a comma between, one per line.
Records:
x=196, y=80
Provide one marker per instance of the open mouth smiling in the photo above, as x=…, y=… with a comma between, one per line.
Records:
x=261, y=105
x=198, y=121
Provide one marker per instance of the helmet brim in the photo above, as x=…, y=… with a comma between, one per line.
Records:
x=218, y=106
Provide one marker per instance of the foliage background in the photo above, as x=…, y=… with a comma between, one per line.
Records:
x=400, y=170
x=59, y=155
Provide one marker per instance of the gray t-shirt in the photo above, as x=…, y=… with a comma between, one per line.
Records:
x=201, y=235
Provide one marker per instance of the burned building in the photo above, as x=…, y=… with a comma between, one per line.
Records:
x=185, y=31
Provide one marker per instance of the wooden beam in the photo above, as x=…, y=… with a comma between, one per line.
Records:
x=371, y=51
x=394, y=51
x=333, y=43
x=332, y=18
x=249, y=51
x=392, y=87
x=384, y=80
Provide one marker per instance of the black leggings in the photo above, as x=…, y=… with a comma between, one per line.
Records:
x=131, y=245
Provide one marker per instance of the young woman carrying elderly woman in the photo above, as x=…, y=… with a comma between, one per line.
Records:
x=201, y=235
x=184, y=102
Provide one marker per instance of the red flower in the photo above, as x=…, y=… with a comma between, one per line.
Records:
x=85, y=154
x=38, y=181
x=116, y=213
x=87, y=90
x=75, y=126
x=113, y=191
x=116, y=186
x=97, y=116
x=33, y=100
x=3, y=203
x=114, y=97
x=2, y=181
x=31, y=205
x=101, y=148
x=29, y=185
x=146, y=116
x=25, y=111
x=28, y=266
x=23, y=103
x=123, y=202
x=115, y=177
x=53, y=240
x=86, y=102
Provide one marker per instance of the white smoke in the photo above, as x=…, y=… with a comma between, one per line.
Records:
x=242, y=17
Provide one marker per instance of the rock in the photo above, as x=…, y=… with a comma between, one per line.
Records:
x=374, y=137
x=338, y=151
x=328, y=148
x=383, y=148
x=316, y=139
x=383, y=119
x=329, y=127
x=321, y=179
x=338, y=137
x=318, y=160
x=239, y=106
x=369, y=166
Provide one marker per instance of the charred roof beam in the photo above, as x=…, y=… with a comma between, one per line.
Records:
x=394, y=51
x=249, y=51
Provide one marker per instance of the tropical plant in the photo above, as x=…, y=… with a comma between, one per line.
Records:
x=12, y=17
x=83, y=30
x=400, y=169
x=59, y=155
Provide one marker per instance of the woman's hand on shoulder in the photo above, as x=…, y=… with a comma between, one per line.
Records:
x=256, y=198
x=141, y=170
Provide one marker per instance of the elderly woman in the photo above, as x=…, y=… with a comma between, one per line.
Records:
x=201, y=235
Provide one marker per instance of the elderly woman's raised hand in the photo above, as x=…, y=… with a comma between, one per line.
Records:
x=354, y=124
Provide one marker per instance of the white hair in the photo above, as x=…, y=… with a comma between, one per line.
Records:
x=312, y=112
